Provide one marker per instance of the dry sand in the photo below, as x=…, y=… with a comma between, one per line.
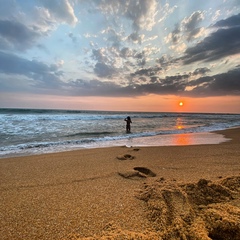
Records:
x=175, y=192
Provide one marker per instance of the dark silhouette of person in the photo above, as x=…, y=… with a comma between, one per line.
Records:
x=128, y=122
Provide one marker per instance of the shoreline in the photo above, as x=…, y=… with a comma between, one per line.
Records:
x=124, y=193
x=182, y=139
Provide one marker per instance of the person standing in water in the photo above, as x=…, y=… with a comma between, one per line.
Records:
x=128, y=122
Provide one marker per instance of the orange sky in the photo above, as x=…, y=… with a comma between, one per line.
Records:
x=149, y=103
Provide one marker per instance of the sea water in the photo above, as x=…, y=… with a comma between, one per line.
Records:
x=35, y=131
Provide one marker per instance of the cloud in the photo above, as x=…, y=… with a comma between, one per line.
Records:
x=146, y=72
x=126, y=52
x=43, y=78
x=104, y=70
x=96, y=88
x=114, y=37
x=99, y=55
x=21, y=31
x=218, y=85
x=136, y=38
x=201, y=71
x=140, y=12
x=190, y=24
x=175, y=35
x=232, y=21
x=110, y=61
x=166, y=11
x=187, y=29
x=42, y=75
x=123, y=49
x=61, y=10
x=16, y=36
x=108, y=88
x=72, y=37
x=164, y=61
x=221, y=43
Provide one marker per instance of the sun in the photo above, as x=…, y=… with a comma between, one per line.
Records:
x=180, y=104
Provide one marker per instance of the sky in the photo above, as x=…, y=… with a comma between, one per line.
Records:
x=121, y=55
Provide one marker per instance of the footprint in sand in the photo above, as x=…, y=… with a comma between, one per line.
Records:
x=137, y=173
x=145, y=171
x=136, y=149
x=125, y=157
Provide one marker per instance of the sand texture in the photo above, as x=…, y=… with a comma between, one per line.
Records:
x=175, y=192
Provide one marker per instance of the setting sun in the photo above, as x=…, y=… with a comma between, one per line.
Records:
x=180, y=104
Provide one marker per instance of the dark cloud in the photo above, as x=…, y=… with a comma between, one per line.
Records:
x=41, y=74
x=146, y=72
x=141, y=56
x=96, y=88
x=190, y=24
x=126, y=52
x=222, y=43
x=104, y=67
x=193, y=21
x=201, y=71
x=232, y=21
x=165, y=61
x=15, y=35
x=176, y=35
x=115, y=38
x=188, y=28
x=217, y=85
x=144, y=82
x=135, y=38
x=104, y=71
x=99, y=88
x=99, y=55
x=193, y=33
x=73, y=37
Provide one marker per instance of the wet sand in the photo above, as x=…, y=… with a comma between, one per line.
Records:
x=169, y=192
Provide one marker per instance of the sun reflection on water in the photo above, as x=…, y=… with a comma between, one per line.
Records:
x=179, y=123
x=182, y=139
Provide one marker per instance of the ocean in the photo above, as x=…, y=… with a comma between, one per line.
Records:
x=37, y=131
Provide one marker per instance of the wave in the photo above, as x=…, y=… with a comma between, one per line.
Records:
x=35, y=130
x=38, y=111
x=105, y=137
x=79, y=119
x=65, y=115
x=90, y=134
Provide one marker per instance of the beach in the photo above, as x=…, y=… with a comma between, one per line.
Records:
x=160, y=192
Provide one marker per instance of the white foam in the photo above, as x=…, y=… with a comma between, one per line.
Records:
x=179, y=139
x=165, y=140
